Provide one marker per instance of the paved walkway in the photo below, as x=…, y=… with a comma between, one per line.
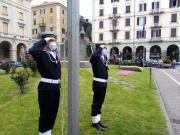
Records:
x=168, y=83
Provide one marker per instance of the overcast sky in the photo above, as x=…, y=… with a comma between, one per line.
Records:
x=85, y=6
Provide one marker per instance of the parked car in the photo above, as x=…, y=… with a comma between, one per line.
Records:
x=16, y=64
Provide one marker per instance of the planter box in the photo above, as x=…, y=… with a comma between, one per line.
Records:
x=167, y=65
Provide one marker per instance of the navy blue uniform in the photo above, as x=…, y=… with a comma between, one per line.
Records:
x=49, y=67
x=100, y=72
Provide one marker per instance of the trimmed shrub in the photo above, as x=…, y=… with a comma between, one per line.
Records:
x=2, y=72
x=129, y=63
x=167, y=60
x=131, y=68
x=6, y=66
x=20, y=76
x=30, y=63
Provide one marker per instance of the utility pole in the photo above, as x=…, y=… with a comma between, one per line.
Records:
x=73, y=67
x=134, y=32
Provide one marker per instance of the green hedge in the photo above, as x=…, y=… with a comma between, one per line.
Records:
x=2, y=72
x=131, y=68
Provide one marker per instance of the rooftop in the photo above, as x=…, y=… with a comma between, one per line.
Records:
x=47, y=4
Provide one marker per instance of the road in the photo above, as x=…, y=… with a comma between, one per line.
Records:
x=168, y=83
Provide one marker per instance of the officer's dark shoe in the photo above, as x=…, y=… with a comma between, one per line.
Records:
x=98, y=127
x=102, y=125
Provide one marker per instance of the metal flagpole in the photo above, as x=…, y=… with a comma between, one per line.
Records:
x=73, y=67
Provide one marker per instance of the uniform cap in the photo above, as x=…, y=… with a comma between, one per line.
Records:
x=48, y=34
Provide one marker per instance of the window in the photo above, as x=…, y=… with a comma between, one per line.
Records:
x=141, y=34
x=174, y=3
x=63, y=21
x=141, y=21
x=34, y=22
x=5, y=27
x=101, y=12
x=156, y=33
x=174, y=18
x=42, y=11
x=63, y=31
x=127, y=22
x=114, y=35
x=114, y=22
x=142, y=7
x=51, y=20
x=63, y=40
x=101, y=2
x=21, y=31
x=173, y=32
x=20, y=16
x=63, y=11
x=5, y=11
x=112, y=1
x=127, y=35
x=42, y=20
x=155, y=5
x=115, y=10
x=101, y=37
x=34, y=13
x=156, y=19
x=101, y=24
x=34, y=31
x=51, y=28
x=43, y=29
x=51, y=10
x=128, y=9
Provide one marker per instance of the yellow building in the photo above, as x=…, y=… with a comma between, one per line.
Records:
x=49, y=16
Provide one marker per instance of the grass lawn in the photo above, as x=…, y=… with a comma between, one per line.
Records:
x=130, y=108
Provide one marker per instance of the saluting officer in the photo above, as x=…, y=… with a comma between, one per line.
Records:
x=44, y=52
x=100, y=71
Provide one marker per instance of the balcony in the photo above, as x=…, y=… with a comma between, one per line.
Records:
x=156, y=25
x=114, y=28
x=155, y=39
x=13, y=36
x=156, y=11
x=42, y=24
x=114, y=16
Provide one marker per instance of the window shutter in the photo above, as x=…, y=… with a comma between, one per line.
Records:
x=157, y=5
x=170, y=3
x=145, y=7
x=138, y=21
x=152, y=5
x=178, y=3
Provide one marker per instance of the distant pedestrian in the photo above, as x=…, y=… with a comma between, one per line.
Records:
x=173, y=63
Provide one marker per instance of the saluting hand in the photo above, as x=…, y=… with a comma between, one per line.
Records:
x=49, y=39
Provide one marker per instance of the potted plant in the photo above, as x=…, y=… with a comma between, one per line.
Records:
x=167, y=62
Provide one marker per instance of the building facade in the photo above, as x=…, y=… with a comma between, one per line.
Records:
x=50, y=16
x=15, y=29
x=138, y=28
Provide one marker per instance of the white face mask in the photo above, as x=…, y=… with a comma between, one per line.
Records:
x=104, y=52
x=52, y=46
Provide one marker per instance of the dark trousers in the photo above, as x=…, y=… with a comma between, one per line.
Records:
x=48, y=97
x=99, y=90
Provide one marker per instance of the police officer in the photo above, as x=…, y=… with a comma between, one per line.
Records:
x=48, y=64
x=100, y=70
